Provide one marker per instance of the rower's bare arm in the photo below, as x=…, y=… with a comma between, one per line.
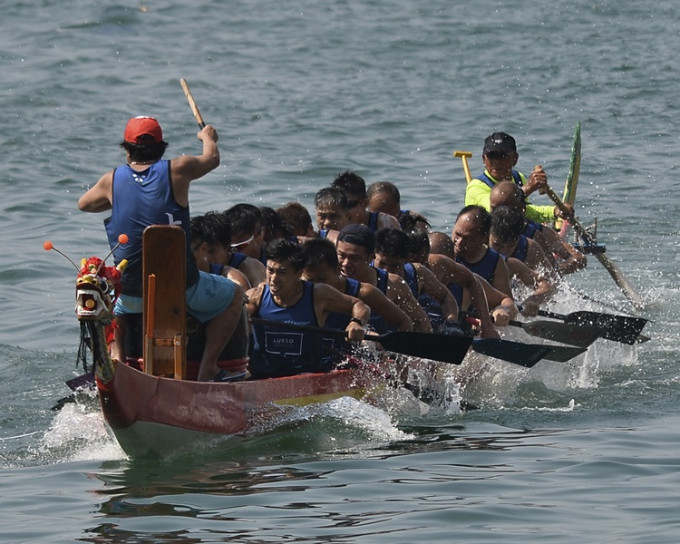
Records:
x=571, y=259
x=431, y=286
x=543, y=289
x=501, y=278
x=400, y=293
x=501, y=307
x=187, y=168
x=328, y=299
x=98, y=198
x=253, y=297
x=384, y=307
x=254, y=270
x=238, y=277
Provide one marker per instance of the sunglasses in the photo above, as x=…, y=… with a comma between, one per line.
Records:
x=242, y=244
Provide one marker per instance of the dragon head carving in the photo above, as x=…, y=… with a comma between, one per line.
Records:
x=97, y=287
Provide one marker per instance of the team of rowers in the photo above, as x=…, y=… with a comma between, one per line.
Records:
x=368, y=264
x=371, y=265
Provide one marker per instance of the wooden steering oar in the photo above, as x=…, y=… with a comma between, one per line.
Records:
x=448, y=348
x=192, y=103
x=605, y=261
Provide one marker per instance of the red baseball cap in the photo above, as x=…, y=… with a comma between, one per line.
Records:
x=143, y=126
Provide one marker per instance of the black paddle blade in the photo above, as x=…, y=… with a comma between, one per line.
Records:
x=565, y=333
x=619, y=328
x=514, y=352
x=437, y=347
x=562, y=354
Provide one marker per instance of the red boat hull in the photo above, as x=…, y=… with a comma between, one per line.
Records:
x=151, y=415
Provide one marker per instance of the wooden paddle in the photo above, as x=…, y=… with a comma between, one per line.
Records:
x=192, y=103
x=605, y=261
x=619, y=328
x=448, y=348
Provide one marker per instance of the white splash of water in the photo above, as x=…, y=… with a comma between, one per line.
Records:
x=78, y=433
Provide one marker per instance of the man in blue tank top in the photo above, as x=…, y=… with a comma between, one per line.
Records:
x=150, y=191
x=563, y=257
x=392, y=255
x=355, y=188
x=356, y=249
x=286, y=298
x=505, y=236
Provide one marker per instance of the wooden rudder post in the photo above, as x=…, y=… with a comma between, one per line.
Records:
x=164, y=279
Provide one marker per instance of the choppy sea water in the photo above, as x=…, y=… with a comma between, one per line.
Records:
x=584, y=451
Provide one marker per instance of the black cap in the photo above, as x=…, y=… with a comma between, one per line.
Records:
x=358, y=234
x=499, y=142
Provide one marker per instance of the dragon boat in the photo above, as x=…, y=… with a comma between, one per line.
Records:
x=153, y=404
x=155, y=407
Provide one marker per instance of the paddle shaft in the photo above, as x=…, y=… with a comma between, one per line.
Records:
x=436, y=347
x=464, y=156
x=447, y=348
x=605, y=261
x=192, y=103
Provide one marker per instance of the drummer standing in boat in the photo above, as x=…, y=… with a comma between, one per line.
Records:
x=284, y=297
x=150, y=191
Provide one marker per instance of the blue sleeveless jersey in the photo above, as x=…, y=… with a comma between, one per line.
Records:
x=376, y=322
x=236, y=259
x=335, y=320
x=283, y=352
x=485, y=267
x=141, y=199
x=373, y=221
x=522, y=248
x=531, y=228
x=337, y=347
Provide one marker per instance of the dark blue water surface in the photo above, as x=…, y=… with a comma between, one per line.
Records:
x=579, y=452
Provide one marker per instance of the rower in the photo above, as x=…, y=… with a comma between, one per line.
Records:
x=299, y=220
x=356, y=249
x=247, y=231
x=332, y=211
x=321, y=266
x=466, y=287
x=355, y=188
x=286, y=298
x=392, y=254
x=384, y=196
x=470, y=237
x=505, y=236
x=565, y=258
